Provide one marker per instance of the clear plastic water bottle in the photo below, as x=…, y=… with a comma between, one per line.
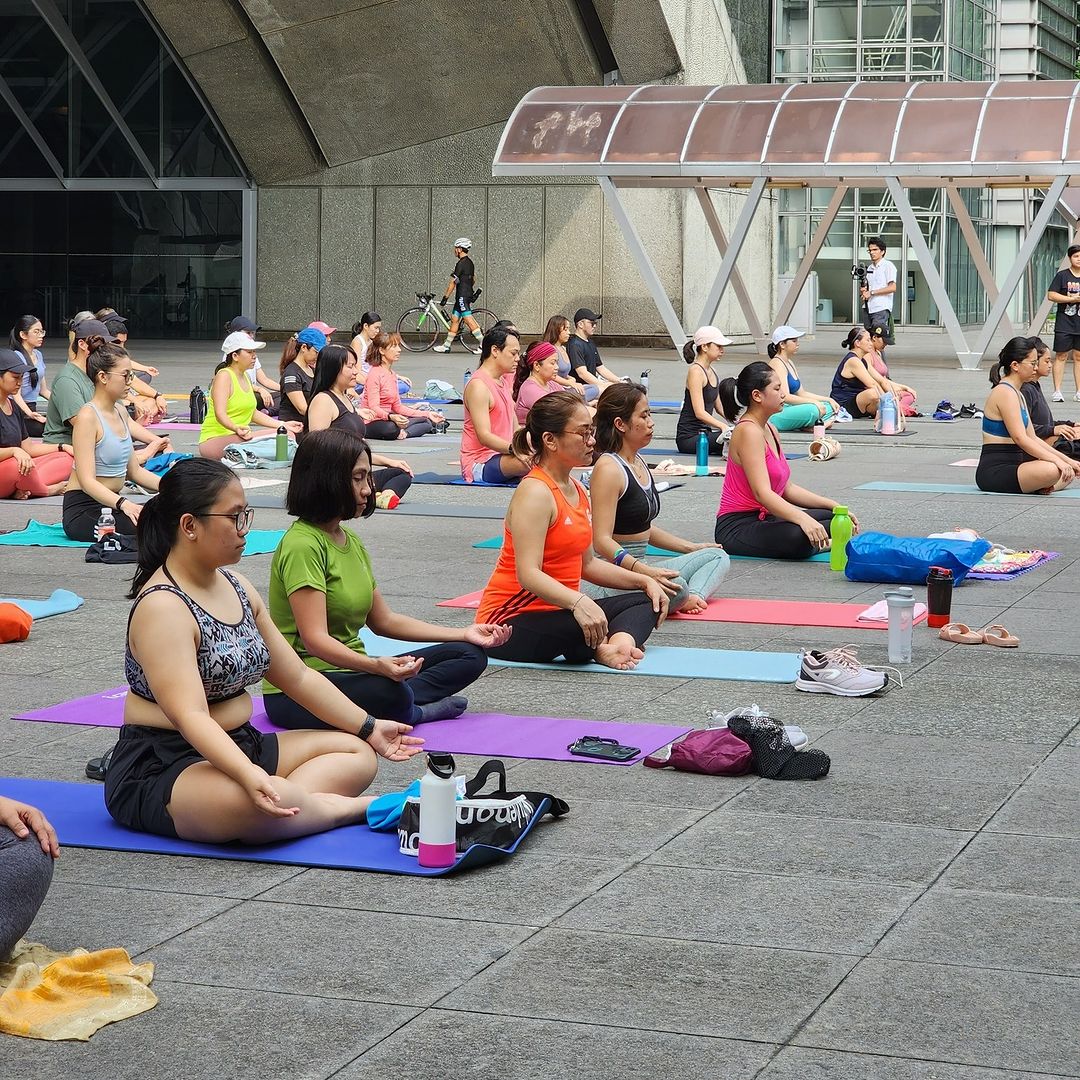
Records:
x=468, y=376
x=645, y=380
x=901, y=605
x=887, y=415
x=438, y=813
x=840, y=531
x=702, y=468
x=281, y=444
x=106, y=524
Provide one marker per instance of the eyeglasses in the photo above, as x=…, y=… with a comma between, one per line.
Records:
x=127, y=376
x=584, y=433
x=242, y=519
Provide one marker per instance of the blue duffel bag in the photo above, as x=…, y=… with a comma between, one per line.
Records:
x=906, y=560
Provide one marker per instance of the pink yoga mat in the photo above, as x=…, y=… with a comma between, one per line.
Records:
x=770, y=612
x=491, y=734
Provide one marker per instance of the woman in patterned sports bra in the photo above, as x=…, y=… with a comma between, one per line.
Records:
x=547, y=550
x=1014, y=459
x=188, y=762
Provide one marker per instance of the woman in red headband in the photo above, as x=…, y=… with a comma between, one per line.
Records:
x=535, y=377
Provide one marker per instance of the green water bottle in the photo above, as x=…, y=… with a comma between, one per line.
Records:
x=840, y=531
x=281, y=444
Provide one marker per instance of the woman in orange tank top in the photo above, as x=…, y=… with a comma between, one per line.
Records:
x=547, y=550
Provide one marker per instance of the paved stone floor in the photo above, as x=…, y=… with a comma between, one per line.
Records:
x=914, y=916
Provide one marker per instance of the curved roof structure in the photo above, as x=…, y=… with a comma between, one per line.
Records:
x=928, y=132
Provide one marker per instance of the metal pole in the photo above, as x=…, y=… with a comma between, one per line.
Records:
x=249, y=226
x=975, y=248
x=1037, y=320
x=738, y=238
x=644, y=265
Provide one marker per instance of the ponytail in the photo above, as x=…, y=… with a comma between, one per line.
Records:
x=772, y=349
x=289, y=353
x=189, y=487
x=728, y=405
x=549, y=415
x=1015, y=352
x=735, y=394
x=689, y=351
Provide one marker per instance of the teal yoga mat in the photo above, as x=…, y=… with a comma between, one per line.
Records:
x=496, y=542
x=684, y=663
x=77, y=812
x=59, y=603
x=960, y=489
x=36, y=534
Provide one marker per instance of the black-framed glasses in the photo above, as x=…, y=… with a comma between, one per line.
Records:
x=128, y=376
x=242, y=519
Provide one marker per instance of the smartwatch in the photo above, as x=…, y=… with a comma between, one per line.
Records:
x=366, y=729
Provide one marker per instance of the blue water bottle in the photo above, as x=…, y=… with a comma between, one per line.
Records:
x=702, y=454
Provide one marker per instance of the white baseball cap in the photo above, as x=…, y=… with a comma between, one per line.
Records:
x=240, y=339
x=709, y=335
x=785, y=333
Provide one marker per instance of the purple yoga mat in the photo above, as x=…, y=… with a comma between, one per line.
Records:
x=484, y=734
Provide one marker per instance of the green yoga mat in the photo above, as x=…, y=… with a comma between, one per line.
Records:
x=36, y=534
x=961, y=489
x=661, y=553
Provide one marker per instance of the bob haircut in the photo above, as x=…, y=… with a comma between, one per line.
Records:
x=320, y=487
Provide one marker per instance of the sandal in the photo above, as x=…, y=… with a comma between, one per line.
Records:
x=998, y=635
x=961, y=634
x=97, y=767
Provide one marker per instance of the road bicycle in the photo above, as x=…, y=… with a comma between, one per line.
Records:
x=424, y=326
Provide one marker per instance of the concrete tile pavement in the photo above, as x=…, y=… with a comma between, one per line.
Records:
x=910, y=917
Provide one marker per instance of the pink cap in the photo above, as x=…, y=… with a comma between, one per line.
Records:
x=326, y=329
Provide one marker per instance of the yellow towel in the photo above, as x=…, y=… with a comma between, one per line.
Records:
x=50, y=995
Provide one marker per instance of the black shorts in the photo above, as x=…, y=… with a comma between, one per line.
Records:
x=883, y=319
x=998, y=470
x=1065, y=342
x=146, y=762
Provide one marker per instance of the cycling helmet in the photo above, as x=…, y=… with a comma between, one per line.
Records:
x=463, y=242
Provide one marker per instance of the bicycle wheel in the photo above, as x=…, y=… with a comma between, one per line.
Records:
x=484, y=319
x=419, y=329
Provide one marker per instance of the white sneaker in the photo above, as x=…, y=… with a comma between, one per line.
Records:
x=474, y=349
x=1076, y=396
x=838, y=671
x=441, y=348
x=1058, y=396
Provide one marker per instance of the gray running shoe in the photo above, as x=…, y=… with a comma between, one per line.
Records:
x=838, y=671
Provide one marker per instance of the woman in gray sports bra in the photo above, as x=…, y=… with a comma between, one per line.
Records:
x=104, y=454
x=188, y=761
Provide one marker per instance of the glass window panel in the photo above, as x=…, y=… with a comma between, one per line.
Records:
x=884, y=58
x=18, y=154
x=819, y=199
x=834, y=61
x=191, y=142
x=791, y=61
x=927, y=20
x=792, y=199
x=927, y=58
x=835, y=20
x=791, y=242
x=884, y=20
x=97, y=146
x=792, y=22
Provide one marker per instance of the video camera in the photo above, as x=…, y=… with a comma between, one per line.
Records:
x=858, y=272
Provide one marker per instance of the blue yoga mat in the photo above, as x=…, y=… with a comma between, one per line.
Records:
x=683, y=663
x=960, y=489
x=37, y=534
x=496, y=542
x=77, y=812
x=58, y=603
x=452, y=478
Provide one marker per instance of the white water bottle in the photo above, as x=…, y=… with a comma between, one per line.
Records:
x=438, y=814
x=644, y=381
x=901, y=605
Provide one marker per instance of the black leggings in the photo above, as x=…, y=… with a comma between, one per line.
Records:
x=396, y=480
x=447, y=669
x=743, y=533
x=541, y=636
x=387, y=429
x=81, y=513
x=687, y=444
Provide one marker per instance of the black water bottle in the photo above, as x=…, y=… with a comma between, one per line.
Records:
x=939, y=587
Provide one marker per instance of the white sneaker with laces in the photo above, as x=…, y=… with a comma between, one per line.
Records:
x=1058, y=396
x=1076, y=396
x=839, y=672
x=441, y=348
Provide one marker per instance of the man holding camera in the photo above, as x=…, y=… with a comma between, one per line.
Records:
x=878, y=289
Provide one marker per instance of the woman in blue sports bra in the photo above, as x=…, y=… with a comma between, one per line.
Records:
x=802, y=409
x=1014, y=460
x=104, y=454
x=189, y=763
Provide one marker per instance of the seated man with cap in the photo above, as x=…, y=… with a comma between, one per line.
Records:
x=585, y=363
x=267, y=390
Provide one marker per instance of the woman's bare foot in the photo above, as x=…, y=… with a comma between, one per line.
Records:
x=21, y=494
x=401, y=434
x=694, y=605
x=620, y=655
x=57, y=489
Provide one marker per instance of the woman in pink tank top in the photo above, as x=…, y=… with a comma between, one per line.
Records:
x=762, y=513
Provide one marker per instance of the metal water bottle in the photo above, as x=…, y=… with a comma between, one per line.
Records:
x=840, y=531
x=281, y=444
x=901, y=604
x=438, y=813
x=702, y=454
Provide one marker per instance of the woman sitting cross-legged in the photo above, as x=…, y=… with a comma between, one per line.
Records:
x=802, y=409
x=323, y=591
x=332, y=407
x=1014, y=459
x=535, y=377
x=391, y=419
x=625, y=505
x=700, y=412
x=104, y=453
x=547, y=551
x=857, y=386
x=188, y=762
x=28, y=469
x=231, y=409
x=762, y=513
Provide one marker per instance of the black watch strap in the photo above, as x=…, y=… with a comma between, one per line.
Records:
x=367, y=728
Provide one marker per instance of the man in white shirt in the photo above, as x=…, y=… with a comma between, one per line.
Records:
x=877, y=294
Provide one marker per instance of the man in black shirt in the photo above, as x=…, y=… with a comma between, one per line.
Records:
x=461, y=286
x=1065, y=292
x=585, y=363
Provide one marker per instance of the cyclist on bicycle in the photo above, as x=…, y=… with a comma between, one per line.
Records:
x=462, y=286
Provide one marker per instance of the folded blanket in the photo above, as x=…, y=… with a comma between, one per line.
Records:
x=879, y=613
x=50, y=995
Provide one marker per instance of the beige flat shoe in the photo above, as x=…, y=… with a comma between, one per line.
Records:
x=998, y=635
x=960, y=634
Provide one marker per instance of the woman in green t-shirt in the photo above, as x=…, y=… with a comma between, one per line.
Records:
x=323, y=592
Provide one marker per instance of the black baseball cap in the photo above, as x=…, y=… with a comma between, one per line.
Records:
x=586, y=313
x=89, y=327
x=243, y=323
x=10, y=360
